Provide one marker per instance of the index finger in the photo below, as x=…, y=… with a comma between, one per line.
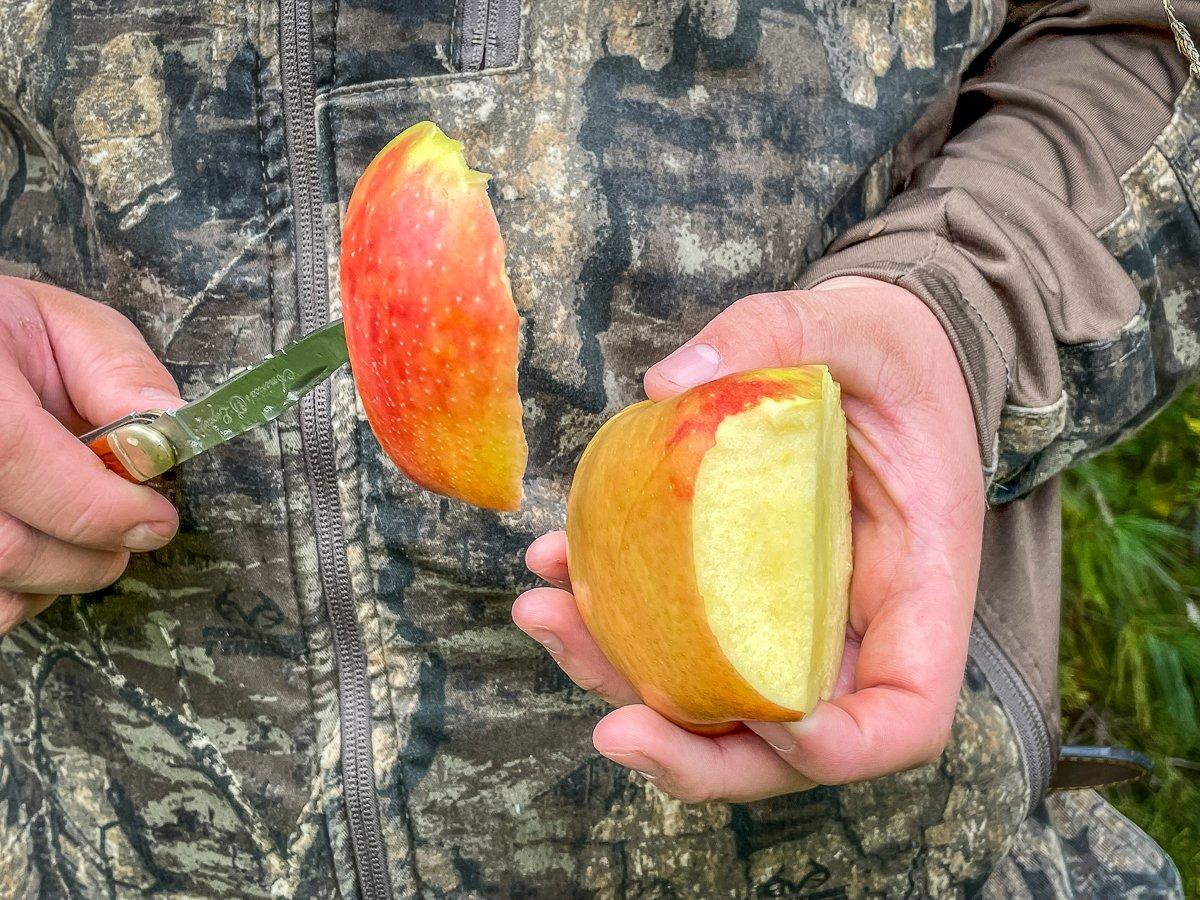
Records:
x=105, y=366
x=547, y=559
x=53, y=483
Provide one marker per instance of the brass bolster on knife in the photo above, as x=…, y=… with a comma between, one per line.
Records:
x=133, y=448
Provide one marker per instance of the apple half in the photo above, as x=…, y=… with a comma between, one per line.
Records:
x=709, y=546
x=430, y=322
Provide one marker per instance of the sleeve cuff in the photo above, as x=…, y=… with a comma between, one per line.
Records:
x=928, y=267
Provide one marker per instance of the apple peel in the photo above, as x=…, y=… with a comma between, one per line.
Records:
x=709, y=547
x=431, y=327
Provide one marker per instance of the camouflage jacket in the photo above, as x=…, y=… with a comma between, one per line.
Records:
x=316, y=691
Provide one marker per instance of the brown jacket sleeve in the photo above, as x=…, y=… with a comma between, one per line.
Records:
x=1056, y=234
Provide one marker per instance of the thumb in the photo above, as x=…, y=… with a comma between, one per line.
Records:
x=106, y=367
x=847, y=324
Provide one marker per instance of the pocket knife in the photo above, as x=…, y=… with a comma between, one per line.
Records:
x=145, y=444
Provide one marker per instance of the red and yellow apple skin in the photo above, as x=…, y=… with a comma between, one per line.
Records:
x=430, y=322
x=630, y=550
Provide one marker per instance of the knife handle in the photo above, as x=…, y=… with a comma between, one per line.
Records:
x=132, y=447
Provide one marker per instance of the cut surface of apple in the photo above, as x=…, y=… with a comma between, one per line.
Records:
x=430, y=322
x=709, y=546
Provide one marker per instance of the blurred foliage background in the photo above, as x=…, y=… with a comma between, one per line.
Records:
x=1130, y=659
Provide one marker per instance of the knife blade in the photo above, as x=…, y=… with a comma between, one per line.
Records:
x=145, y=444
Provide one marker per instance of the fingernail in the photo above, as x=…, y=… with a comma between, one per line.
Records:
x=645, y=775
x=548, y=640
x=160, y=399
x=690, y=365
x=774, y=734
x=143, y=538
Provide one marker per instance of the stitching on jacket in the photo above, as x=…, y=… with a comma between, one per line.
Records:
x=1037, y=411
x=1186, y=185
x=335, y=14
x=978, y=392
x=1022, y=651
x=369, y=88
x=1141, y=166
x=939, y=242
x=262, y=169
x=451, y=44
x=1014, y=647
x=410, y=855
x=1139, y=319
x=316, y=776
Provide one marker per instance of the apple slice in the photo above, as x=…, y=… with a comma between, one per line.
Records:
x=709, y=546
x=430, y=322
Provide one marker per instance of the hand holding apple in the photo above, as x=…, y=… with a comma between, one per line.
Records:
x=918, y=510
x=708, y=539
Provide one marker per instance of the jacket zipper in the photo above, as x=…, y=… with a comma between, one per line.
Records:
x=487, y=34
x=354, y=701
x=1022, y=709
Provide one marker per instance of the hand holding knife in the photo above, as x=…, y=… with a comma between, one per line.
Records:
x=146, y=444
x=431, y=319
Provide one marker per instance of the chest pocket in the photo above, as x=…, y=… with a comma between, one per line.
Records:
x=401, y=40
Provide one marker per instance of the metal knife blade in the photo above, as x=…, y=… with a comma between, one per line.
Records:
x=133, y=447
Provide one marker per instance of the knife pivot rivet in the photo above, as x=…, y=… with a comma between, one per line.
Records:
x=142, y=449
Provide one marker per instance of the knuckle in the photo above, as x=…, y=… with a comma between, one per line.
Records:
x=836, y=774
x=768, y=311
x=131, y=364
x=114, y=321
x=780, y=320
x=842, y=769
x=82, y=521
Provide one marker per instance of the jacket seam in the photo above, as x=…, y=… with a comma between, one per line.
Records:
x=269, y=227
x=335, y=12
x=454, y=35
x=1014, y=648
x=1036, y=412
x=402, y=787
x=962, y=295
x=978, y=393
x=939, y=243
x=382, y=85
x=1129, y=326
x=1190, y=87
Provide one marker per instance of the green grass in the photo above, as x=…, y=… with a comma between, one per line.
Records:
x=1130, y=658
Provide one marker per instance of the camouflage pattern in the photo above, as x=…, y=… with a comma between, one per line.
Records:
x=1111, y=387
x=177, y=734
x=1075, y=845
